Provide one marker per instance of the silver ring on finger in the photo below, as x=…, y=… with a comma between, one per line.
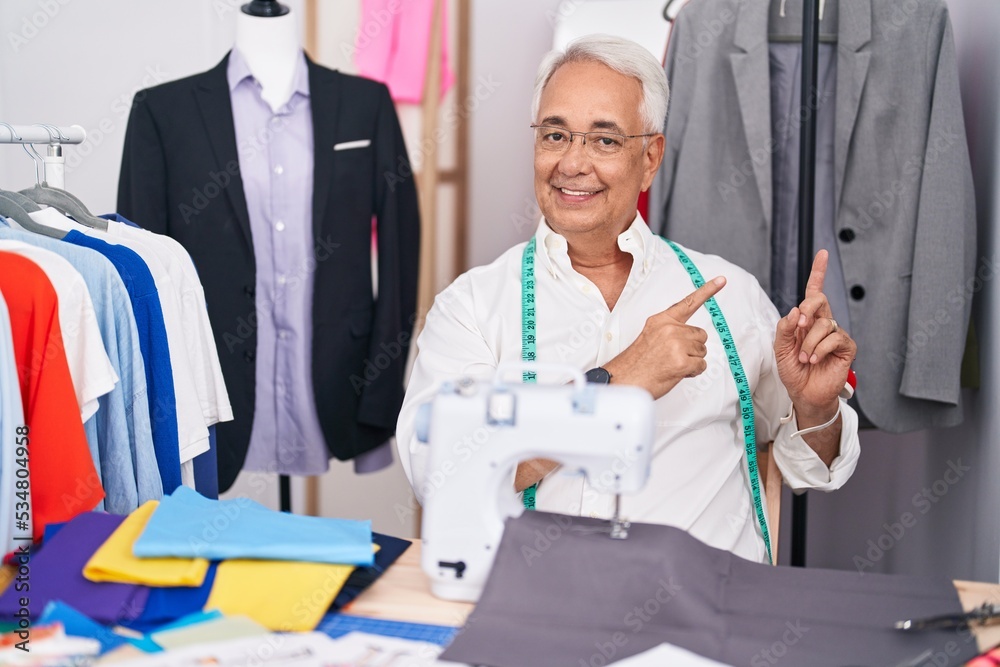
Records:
x=836, y=328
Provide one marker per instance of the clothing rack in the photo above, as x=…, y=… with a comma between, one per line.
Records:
x=807, y=209
x=53, y=162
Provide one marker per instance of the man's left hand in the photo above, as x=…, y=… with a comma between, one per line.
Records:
x=812, y=351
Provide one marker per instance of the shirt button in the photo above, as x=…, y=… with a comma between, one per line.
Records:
x=846, y=235
x=857, y=292
x=249, y=355
x=279, y=226
x=281, y=278
x=279, y=170
x=275, y=120
x=586, y=289
x=282, y=334
x=608, y=336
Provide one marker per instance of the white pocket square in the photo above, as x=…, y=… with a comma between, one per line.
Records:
x=348, y=145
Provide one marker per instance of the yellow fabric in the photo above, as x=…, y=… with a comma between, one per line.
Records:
x=285, y=596
x=114, y=560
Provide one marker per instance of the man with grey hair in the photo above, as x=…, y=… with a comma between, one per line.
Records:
x=725, y=369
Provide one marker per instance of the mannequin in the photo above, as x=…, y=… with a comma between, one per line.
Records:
x=269, y=42
x=296, y=153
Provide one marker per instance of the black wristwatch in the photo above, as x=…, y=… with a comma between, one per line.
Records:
x=598, y=376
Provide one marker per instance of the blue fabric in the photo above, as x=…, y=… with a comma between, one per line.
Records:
x=11, y=418
x=119, y=433
x=192, y=619
x=188, y=525
x=338, y=625
x=206, y=469
x=166, y=605
x=390, y=549
x=77, y=624
x=153, y=346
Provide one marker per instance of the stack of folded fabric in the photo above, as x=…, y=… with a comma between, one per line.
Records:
x=186, y=554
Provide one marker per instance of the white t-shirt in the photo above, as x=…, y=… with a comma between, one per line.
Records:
x=89, y=366
x=699, y=479
x=194, y=314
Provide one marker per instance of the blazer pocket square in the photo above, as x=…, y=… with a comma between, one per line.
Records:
x=348, y=145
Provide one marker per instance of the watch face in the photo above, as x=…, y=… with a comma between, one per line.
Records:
x=598, y=376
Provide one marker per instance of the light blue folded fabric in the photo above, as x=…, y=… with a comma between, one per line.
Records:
x=188, y=525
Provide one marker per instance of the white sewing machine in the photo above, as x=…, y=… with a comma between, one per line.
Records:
x=479, y=431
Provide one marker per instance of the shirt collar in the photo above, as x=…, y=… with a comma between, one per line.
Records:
x=238, y=71
x=637, y=240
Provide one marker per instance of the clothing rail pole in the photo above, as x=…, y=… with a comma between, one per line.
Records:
x=53, y=162
x=40, y=134
x=807, y=209
x=285, y=493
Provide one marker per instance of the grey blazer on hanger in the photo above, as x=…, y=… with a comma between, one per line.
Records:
x=905, y=211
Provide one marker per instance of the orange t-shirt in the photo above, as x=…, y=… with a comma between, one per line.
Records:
x=64, y=482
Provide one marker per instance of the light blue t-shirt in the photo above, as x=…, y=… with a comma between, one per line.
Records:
x=11, y=418
x=119, y=433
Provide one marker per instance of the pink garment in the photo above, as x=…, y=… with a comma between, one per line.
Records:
x=392, y=46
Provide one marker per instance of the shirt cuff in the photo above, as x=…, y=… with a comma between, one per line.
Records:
x=802, y=467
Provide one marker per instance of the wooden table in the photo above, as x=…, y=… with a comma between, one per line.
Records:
x=403, y=593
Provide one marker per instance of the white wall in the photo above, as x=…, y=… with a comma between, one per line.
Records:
x=508, y=41
x=70, y=62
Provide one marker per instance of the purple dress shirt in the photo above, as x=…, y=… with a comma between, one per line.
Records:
x=276, y=162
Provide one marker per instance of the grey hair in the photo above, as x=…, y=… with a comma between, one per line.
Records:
x=623, y=56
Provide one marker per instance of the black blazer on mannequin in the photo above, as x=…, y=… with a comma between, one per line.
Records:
x=180, y=176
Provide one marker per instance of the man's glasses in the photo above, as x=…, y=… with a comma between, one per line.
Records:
x=557, y=140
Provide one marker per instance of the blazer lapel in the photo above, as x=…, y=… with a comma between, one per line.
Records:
x=216, y=108
x=855, y=31
x=752, y=75
x=324, y=94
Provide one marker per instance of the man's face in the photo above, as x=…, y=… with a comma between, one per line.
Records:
x=587, y=97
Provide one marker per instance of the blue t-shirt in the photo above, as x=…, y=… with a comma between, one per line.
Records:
x=155, y=354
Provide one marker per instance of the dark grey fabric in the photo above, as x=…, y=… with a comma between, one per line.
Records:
x=786, y=129
x=563, y=593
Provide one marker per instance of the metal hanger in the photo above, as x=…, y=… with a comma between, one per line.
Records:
x=61, y=200
x=671, y=9
x=12, y=206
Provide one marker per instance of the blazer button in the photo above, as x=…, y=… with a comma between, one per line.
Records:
x=249, y=355
x=249, y=291
x=846, y=235
x=857, y=292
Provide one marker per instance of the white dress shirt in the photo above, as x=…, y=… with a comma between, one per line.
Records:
x=699, y=479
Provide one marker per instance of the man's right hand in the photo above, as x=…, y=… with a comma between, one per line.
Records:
x=668, y=349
